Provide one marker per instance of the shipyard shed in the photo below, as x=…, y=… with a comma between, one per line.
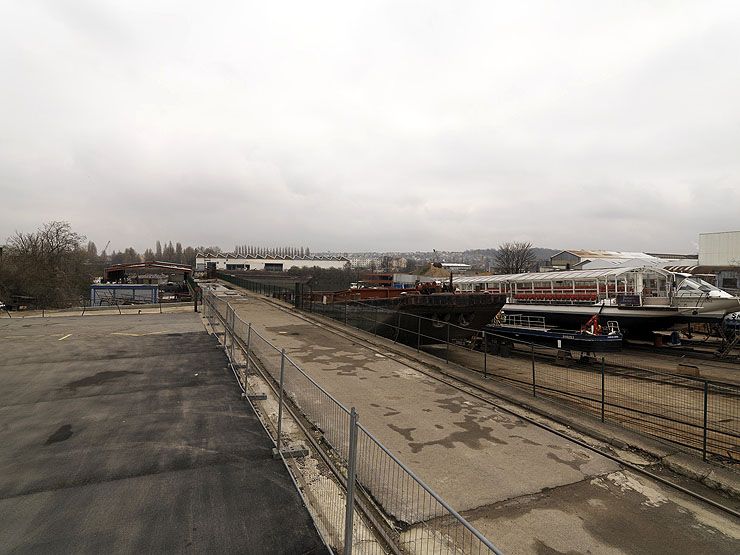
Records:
x=597, y=260
x=576, y=259
x=154, y=272
x=270, y=263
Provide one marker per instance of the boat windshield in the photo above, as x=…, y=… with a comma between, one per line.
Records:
x=697, y=286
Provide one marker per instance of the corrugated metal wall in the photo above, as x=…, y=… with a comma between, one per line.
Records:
x=719, y=249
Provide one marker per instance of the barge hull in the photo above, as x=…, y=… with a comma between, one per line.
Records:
x=557, y=339
x=419, y=319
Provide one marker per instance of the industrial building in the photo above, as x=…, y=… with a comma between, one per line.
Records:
x=142, y=282
x=148, y=272
x=597, y=259
x=719, y=249
x=270, y=263
x=718, y=261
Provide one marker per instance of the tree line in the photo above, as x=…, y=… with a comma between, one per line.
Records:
x=510, y=258
x=167, y=253
x=54, y=266
x=47, y=268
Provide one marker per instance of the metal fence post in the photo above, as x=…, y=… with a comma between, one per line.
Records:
x=375, y=329
x=231, y=345
x=447, y=345
x=230, y=324
x=280, y=407
x=249, y=340
x=704, y=439
x=345, y=314
x=602, y=389
x=418, y=333
x=351, y=468
x=534, y=375
x=485, y=356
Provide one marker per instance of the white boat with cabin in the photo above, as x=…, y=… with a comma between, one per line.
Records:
x=640, y=299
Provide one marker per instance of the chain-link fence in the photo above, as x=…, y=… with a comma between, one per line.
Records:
x=699, y=414
x=276, y=288
x=398, y=513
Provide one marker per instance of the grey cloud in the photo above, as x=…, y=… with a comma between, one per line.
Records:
x=378, y=126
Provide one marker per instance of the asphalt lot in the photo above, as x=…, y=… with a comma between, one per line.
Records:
x=128, y=434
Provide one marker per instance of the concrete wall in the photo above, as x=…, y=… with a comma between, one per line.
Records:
x=719, y=249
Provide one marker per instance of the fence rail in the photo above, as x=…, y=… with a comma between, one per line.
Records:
x=417, y=519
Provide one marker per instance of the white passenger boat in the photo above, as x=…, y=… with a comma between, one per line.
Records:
x=639, y=299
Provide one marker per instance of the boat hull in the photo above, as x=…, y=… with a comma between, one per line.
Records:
x=712, y=309
x=633, y=321
x=567, y=340
x=419, y=319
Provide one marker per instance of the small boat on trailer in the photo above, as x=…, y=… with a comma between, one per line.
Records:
x=591, y=338
x=424, y=315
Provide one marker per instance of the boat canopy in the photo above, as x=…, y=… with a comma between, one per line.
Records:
x=568, y=275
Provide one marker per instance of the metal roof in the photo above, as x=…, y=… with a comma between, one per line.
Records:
x=555, y=276
x=584, y=253
x=249, y=256
x=151, y=264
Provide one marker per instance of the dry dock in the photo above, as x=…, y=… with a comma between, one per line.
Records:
x=527, y=489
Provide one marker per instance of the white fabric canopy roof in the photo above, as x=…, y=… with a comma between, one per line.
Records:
x=576, y=275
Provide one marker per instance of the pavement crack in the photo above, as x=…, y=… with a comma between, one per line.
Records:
x=525, y=498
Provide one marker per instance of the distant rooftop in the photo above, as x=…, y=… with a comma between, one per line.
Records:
x=674, y=256
x=604, y=254
x=268, y=256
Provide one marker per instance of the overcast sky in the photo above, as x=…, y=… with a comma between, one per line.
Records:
x=372, y=125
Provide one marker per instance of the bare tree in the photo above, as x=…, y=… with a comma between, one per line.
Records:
x=49, y=267
x=514, y=258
